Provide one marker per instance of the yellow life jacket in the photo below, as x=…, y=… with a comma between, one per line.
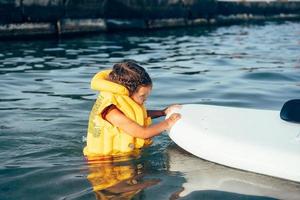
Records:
x=103, y=138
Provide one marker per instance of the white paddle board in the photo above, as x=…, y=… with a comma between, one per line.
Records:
x=249, y=139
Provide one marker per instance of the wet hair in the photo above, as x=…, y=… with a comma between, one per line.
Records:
x=130, y=75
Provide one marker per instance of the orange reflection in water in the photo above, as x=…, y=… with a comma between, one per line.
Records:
x=117, y=177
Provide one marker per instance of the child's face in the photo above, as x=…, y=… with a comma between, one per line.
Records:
x=141, y=95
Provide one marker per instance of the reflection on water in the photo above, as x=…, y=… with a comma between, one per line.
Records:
x=206, y=179
x=45, y=100
x=117, y=180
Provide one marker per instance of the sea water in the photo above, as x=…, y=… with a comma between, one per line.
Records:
x=45, y=100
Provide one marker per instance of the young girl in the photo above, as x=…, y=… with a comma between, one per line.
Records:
x=119, y=123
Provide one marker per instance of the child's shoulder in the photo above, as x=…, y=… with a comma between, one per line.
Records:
x=107, y=110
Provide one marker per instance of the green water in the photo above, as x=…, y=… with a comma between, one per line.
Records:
x=45, y=102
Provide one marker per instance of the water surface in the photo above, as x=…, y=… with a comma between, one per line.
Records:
x=45, y=102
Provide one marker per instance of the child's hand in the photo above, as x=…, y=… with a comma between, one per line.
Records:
x=169, y=109
x=173, y=119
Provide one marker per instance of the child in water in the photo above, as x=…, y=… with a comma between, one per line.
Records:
x=119, y=123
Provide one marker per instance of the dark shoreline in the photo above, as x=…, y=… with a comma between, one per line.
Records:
x=49, y=18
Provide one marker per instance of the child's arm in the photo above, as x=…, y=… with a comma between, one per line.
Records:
x=155, y=113
x=164, y=112
x=118, y=119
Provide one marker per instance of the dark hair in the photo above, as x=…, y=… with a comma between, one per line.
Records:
x=130, y=75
